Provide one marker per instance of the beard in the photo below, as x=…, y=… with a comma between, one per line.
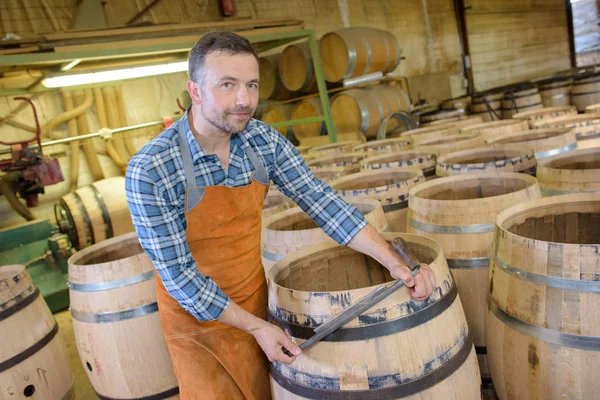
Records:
x=219, y=119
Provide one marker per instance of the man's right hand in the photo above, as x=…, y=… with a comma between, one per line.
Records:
x=271, y=339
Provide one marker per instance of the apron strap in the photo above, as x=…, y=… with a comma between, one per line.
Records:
x=194, y=194
x=260, y=174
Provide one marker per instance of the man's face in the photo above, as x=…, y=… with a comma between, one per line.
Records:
x=228, y=94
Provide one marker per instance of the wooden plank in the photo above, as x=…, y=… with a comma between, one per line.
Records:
x=20, y=50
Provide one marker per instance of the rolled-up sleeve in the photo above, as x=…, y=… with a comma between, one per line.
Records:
x=338, y=219
x=160, y=226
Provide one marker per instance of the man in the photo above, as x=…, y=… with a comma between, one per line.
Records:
x=196, y=192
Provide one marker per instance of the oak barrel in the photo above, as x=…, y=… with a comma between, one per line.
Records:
x=450, y=144
x=271, y=87
x=524, y=97
x=496, y=129
x=585, y=126
x=334, y=167
x=544, y=142
x=402, y=159
x=33, y=359
x=440, y=116
x=545, y=113
x=332, y=149
x=585, y=91
x=117, y=328
x=390, y=186
x=542, y=329
x=555, y=92
x=308, y=108
x=97, y=212
x=487, y=159
x=376, y=147
x=593, y=109
x=459, y=212
x=358, y=51
x=576, y=171
x=398, y=349
x=296, y=68
x=278, y=113
x=292, y=230
x=420, y=135
x=487, y=105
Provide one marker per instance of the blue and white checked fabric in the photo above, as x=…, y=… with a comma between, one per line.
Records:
x=154, y=188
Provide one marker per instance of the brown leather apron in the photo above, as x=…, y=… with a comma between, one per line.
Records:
x=213, y=360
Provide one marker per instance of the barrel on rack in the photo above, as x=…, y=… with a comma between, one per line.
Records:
x=545, y=113
x=555, y=92
x=544, y=142
x=496, y=129
x=94, y=213
x=544, y=300
x=381, y=354
x=293, y=230
x=115, y=318
x=271, y=87
x=376, y=147
x=391, y=99
x=459, y=212
x=308, y=108
x=521, y=98
x=33, y=360
x=586, y=91
x=451, y=144
x=402, y=159
x=296, y=68
x=487, y=105
x=390, y=186
x=577, y=171
x=278, y=113
x=505, y=158
x=352, y=52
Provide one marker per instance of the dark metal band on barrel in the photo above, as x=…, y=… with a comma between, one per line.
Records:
x=587, y=136
x=86, y=218
x=377, y=329
x=396, y=206
x=94, y=287
x=450, y=229
x=393, y=392
x=25, y=354
x=23, y=300
x=158, y=396
x=545, y=280
x=585, y=93
x=109, y=317
x=108, y=228
x=547, y=335
x=427, y=172
x=468, y=263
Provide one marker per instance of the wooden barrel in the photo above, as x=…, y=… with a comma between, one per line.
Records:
x=33, y=361
x=488, y=159
x=544, y=142
x=332, y=149
x=459, y=103
x=117, y=328
x=586, y=91
x=545, y=113
x=402, y=159
x=521, y=99
x=276, y=202
x=450, y=144
x=375, y=147
x=593, y=109
x=296, y=68
x=293, y=230
x=271, y=87
x=383, y=353
x=459, y=212
x=278, y=113
x=462, y=123
x=333, y=167
x=555, y=92
x=353, y=52
x=496, y=129
x=391, y=100
x=308, y=108
x=487, y=105
x=96, y=212
x=390, y=186
x=429, y=133
x=544, y=300
x=574, y=172
x=438, y=116
x=586, y=128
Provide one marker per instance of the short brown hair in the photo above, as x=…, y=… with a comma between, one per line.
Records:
x=210, y=42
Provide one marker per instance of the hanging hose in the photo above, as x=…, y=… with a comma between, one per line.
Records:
x=72, y=128
x=110, y=102
x=86, y=104
x=123, y=120
x=87, y=144
x=108, y=140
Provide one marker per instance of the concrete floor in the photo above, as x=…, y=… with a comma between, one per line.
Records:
x=83, y=387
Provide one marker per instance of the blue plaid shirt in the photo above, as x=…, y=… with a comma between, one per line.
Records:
x=154, y=188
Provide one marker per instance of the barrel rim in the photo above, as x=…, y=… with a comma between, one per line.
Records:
x=382, y=143
x=522, y=152
x=546, y=203
x=335, y=159
x=78, y=256
x=463, y=136
x=416, y=176
x=545, y=162
x=330, y=146
x=427, y=129
x=14, y=270
x=491, y=125
x=327, y=246
x=570, y=121
x=532, y=132
x=413, y=193
x=544, y=110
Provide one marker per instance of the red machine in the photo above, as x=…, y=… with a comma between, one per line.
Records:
x=28, y=170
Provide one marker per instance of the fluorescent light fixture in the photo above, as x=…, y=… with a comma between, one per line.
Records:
x=114, y=75
x=68, y=66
